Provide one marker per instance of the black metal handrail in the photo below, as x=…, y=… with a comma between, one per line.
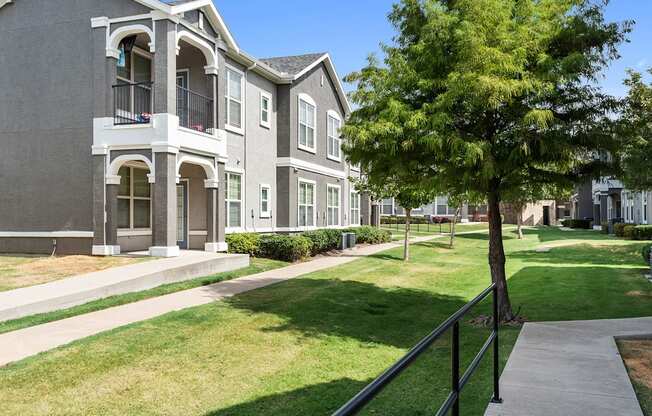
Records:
x=132, y=103
x=195, y=111
x=452, y=402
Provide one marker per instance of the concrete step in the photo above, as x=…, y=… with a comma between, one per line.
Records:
x=85, y=288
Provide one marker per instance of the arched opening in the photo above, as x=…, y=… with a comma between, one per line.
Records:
x=195, y=79
x=192, y=206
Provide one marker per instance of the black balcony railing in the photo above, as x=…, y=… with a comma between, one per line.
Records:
x=195, y=111
x=452, y=402
x=132, y=103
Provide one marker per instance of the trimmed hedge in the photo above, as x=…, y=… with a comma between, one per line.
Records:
x=643, y=232
x=324, y=240
x=370, y=235
x=605, y=227
x=285, y=247
x=577, y=224
x=645, y=252
x=619, y=229
x=629, y=231
x=244, y=243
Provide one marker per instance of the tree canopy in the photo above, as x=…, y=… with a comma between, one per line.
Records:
x=489, y=95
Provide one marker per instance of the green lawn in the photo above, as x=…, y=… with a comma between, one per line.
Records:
x=306, y=346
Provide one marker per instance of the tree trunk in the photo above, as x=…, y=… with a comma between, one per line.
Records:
x=406, y=246
x=497, y=257
x=519, y=222
x=457, y=212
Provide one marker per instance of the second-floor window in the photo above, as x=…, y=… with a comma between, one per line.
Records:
x=334, y=142
x=307, y=123
x=234, y=98
x=265, y=109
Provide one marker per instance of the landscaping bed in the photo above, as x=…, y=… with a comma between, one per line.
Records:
x=637, y=355
x=18, y=271
x=305, y=346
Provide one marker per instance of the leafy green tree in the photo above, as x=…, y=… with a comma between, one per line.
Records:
x=486, y=93
x=636, y=128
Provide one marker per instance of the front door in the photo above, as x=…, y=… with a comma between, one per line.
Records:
x=182, y=215
x=546, y=215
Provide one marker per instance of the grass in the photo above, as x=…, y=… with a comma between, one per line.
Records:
x=256, y=266
x=18, y=271
x=637, y=355
x=305, y=346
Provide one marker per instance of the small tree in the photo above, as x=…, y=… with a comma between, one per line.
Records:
x=458, y=201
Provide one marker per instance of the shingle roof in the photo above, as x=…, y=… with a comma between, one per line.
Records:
x=292, y=65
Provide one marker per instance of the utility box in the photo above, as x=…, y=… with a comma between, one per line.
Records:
x=344, y=241
x=351, y=240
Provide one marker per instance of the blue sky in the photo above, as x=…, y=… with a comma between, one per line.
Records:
x=351, y=29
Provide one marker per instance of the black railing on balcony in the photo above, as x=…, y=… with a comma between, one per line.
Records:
x=132, y=103
x=458, y=381
x=195, y=111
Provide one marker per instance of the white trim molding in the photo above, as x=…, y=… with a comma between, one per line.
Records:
x=113, y=42
x=216, y=247
x=310, y=101
x=282, y=162
x=46, y=234
x=117, y=163
x=105, y=251
x=203, y=46
x=209, y=168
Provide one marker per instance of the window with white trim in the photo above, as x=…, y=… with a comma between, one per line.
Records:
x=333, y=205
x=306, y=204
x=334, y=142
x=134, y=199
x=234, y=98
x=355, y=208
x=265, y=201
x=233, y=200
x=442, y=207
x=388, y=206
x=265, y=109
x=307, y=123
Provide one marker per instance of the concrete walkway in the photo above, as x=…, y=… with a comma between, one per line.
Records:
x=77, y=290
x=26, y=342
x=570, y=368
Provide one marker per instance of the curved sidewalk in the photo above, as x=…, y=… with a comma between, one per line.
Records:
x=17, y=345
x=570, y=368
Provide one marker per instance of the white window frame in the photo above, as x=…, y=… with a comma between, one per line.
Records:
x=200, y=21
x=644, y=195
x=229, y=99
x=266, y=96
x=308, y=100
x=337, y=139
x=329, y=206
x=228, y=200
x=314, y=203
x=131, y=198
x=265, y=213
x=355, y=196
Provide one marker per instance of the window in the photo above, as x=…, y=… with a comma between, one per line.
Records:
x=442, y=205
x=265, y=201
x=307, y=122
x=388, y=206
x=233, y=200
x=333, y=205
x=334, y=142
x=234, y=99
x=355, y=208
x=134, y=199
x=306, y=203
x=265, y=109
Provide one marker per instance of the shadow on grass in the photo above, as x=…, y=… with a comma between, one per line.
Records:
x=396, y=317
x=584, y=254
x=546, y=234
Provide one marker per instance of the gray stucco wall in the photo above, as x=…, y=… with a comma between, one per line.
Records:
x=46, y=112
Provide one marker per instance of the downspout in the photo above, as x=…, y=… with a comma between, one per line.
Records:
x=244, y=123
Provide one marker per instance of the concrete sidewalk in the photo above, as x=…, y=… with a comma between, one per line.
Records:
x=26, y=342
x=77, y=290
x=570, y=368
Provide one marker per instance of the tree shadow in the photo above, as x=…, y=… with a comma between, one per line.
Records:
x=397, y=317
x=435, y=244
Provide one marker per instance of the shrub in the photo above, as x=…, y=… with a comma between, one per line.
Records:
x=645, y=252
x=580, y=224
x=323, y=240
x=628, y=231
x=370, y=235
x=566, y=223
x=285, y=247
x=605, y=227
x=643, y=232
x=619, y=229
x=244, y=243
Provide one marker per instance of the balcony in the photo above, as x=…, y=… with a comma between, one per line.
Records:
x=132, y=103
x=195, y=111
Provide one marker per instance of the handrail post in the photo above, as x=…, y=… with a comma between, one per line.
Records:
x=496, y=357
x=455, y=368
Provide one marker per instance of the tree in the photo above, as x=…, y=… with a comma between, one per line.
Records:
x=492, y=92
x=457, y=201
x=636, y=129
